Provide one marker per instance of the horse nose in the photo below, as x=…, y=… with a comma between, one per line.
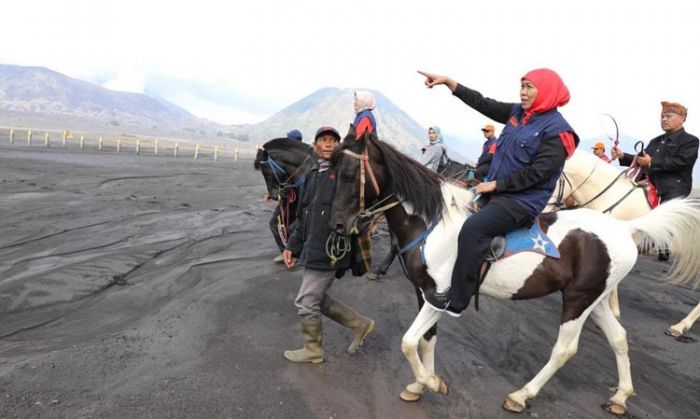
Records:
x=340, y=228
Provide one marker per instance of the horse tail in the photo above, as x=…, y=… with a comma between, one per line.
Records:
x=674, y=224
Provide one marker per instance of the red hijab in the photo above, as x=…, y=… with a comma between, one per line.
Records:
x=551, y=93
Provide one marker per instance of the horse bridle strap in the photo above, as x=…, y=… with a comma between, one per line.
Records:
x=364, y=165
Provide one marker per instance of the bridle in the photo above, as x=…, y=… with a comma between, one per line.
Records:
x=364, y=167
x=366, y=171
x=285, y=189
x=564, y=178
x=278, y=173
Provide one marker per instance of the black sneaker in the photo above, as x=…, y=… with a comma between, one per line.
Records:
x=440, y=301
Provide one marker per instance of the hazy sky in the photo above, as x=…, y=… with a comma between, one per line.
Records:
x=237, y=62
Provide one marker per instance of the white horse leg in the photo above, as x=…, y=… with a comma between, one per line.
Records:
x=615, y=303
x=617, y=338
x=414, y=391
x=426, y=318
x=564, y=349
x=681, y=327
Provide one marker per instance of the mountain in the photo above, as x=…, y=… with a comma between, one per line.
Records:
x=333, y=106
x=40, y=96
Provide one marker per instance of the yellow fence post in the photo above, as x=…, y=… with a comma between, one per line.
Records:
x=82, y=142
x=46, y=139
x=12, y=136
x=216, y=152
x=175, y=150
x=235, y=155
x=138, y=146
x=155, y=146
x=65, y=135
x=119, y=145
x=29, y=137
x=99, y=144
x=196, y=151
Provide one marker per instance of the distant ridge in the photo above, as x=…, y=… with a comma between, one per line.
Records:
x=38, y=95
x=333, y=106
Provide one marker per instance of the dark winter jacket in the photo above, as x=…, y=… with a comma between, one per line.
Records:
x=312, y=227
x=672, y=159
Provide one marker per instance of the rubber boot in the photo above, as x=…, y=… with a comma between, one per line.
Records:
x=312, y=332
x=361, y=326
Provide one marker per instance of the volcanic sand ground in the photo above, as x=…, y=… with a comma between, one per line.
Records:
x=135, y=286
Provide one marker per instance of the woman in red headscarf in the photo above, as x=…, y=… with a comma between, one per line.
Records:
x=529, y=158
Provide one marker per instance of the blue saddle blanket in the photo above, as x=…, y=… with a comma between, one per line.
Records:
x=531, y=239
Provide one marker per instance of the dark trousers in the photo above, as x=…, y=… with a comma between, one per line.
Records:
x=275, y=230
x=495, y=219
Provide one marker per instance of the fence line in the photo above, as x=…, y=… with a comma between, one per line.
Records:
x=139, y=146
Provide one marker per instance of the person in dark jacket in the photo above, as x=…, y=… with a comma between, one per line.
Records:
x=308, y=242
x=489, y=147
x=529, y=158
x=668, y=158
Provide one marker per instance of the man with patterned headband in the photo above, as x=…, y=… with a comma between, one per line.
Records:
x=668, y=158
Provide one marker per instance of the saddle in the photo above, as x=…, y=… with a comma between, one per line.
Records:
x=651, y=193
x=532, y=239
x=524, y=239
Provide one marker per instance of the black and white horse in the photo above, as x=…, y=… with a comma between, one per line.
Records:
x=597, y=252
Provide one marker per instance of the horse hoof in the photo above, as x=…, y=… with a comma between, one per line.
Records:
x=409, y=396
x=673, y=333
x=373, y=276
x=615, y=409
x=442, y=388
x=512, y=406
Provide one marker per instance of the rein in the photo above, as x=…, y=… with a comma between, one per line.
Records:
x=285, y=187
x=278, y=170
x=364, y=166
x=598, y=195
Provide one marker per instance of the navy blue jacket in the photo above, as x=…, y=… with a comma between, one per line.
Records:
x=529, y=158
x=312, y=227
x=361, y=127
x=484, y=163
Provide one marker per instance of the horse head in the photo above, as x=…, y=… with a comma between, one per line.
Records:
x=361, y=181
x=283, y=163
x=388, y=175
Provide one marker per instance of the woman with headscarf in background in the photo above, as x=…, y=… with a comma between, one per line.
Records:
x=434, y=154
x=529, y=159
x=364, y=103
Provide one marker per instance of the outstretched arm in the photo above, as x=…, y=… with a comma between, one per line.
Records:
x=493, y=109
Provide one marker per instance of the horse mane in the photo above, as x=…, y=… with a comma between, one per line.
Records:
x=288, y=144
x=414, y=183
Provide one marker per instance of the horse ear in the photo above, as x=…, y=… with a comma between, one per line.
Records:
x=351, y=133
